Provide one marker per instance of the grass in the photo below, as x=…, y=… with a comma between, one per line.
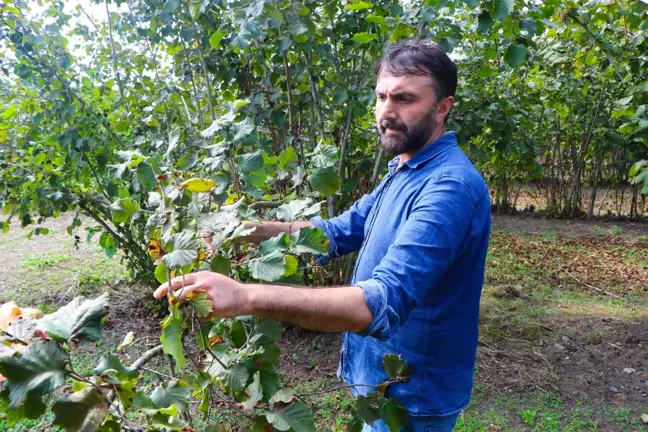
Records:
x=542, y=411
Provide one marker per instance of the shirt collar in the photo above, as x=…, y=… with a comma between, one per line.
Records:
x=430, y=151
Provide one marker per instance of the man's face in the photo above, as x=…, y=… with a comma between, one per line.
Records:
x=406, y=113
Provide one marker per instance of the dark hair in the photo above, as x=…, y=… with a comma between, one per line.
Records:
x=423, y=58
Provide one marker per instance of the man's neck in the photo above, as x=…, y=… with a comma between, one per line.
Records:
x=404, y=157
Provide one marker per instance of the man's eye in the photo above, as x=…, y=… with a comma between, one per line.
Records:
x=382, y=97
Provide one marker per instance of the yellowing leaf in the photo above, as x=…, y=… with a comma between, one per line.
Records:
x=199, y=185
x=155, y=249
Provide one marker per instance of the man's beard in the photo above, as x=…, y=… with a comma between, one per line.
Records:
x=412, y=138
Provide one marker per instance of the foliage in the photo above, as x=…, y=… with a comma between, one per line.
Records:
x=163, y=112
x=238, y=365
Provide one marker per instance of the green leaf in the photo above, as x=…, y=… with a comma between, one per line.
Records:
x=296, y=26
x=284, y=395
x=625, y=101
x=448, y=43
x=256, y=179
x=184, y=247
x=237, y=333
x=340, y=96
x=234, y=378
x=82, y=411
x=36, y=371
x=364, y=37
x=354, y=424
x=324, y=155
x=242, y=129
x=216, y=38
x=161, y=273
x=250, y=162
x=309, y=240
x=254, y=392
x=269, y=267
x=288, y=159
x=128, y=340
x=276, y=243
x=171, y=338
x=325, y=180
x=202, y=303
x=394, y=414
x=187, y=161
x=10, y=112
x=146, y=176
x=122, y=126
x=485, y=72
x=485, y=22
x=428, y=14
x=360, y=5
x=174, y=392
x=295, y=415
x=368, y=407
x=291, y=265
x=269, y=328
x=472, y=4
x=529, y=26
x=111, y=369
x=515, y=55
x=375, y=19
x=123, y=209
x=284, y=44
x=271, y=11
x=292, y=210
x=501, y=9
x=79, y=319
x=396, y=368
x=219, y=264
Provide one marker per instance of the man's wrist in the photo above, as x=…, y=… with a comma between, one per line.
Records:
x=250, y=299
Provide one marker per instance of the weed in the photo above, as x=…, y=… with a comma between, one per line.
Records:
x=44, y=260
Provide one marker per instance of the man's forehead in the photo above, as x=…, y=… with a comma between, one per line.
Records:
x=392, y=83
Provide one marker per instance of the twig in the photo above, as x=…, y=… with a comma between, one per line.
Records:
x=225, y=399
x=593, y=287
x=146, y=357
x=158, y=373
x=541, y=325
x=345, y=386
x=614, y=345
x=216, y=358
x=264, y=205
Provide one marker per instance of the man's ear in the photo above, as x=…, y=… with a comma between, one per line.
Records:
x=444, y=108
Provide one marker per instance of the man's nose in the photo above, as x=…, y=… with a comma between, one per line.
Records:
x=387, y=111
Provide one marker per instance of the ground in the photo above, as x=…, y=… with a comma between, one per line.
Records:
x=563, y=338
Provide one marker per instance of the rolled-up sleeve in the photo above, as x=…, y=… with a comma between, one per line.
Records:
x=427, y=244
x=345, y=233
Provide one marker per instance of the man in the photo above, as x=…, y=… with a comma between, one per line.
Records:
x=422, y=236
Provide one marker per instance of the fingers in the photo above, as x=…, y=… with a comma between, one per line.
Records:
x=181, y=293
x=176, y=283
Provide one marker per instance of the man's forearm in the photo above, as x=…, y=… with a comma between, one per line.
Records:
x=263, y=231
x=325, y=309
x=267, y=230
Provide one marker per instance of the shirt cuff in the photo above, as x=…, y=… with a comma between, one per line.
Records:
x=320, y=223
x=385, y=320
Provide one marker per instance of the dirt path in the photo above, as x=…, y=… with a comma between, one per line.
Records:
x=532, y=224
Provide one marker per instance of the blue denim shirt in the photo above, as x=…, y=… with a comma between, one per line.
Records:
x=422, y=235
